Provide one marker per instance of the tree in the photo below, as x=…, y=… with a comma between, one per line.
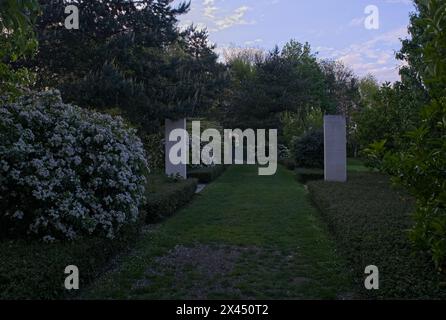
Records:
x=265, y=86
x=368, y=89
x=388, y=113
x=342, y=96
x=128, y=55
x=16, y=40
x=421, y=165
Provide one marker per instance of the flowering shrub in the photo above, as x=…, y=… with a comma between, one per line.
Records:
x=67, y=172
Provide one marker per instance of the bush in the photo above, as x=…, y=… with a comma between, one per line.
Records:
x=308, y=150
x=36, y=270
x=166, y=196
x=305, y=175
x=369, y=221
x=290, y=164
x=67, y=172
x=207, y=174
x=421, y=168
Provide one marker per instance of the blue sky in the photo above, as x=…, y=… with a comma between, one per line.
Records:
x=334, y=28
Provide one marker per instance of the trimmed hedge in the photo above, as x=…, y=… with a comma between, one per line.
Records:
x=207, y=174
x=369, y=221
x=166, y=196
x=35, y=270
x=304, y=175
x=290, y=164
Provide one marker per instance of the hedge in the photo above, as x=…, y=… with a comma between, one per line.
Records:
x=369, y=220
x=288, y=163
x=35, y=270
x=165, y=198
x=305, y=175
x=207, y=174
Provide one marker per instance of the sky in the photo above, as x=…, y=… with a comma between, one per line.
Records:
x=336, y=29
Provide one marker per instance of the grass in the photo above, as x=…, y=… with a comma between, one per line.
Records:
x=356, y=165
x=369, y=220
x=245, y=236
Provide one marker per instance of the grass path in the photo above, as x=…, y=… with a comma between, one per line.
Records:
x=245, y=236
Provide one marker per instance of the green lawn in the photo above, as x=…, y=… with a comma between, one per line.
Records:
x=356, y=165
x=245, y=236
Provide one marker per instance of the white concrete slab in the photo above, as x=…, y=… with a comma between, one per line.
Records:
x=174, y=169
x=335, y=148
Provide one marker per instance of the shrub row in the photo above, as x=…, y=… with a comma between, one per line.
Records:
x=369, y=221
x=288, y=163
x=305, y=175
x=207, y=174
x=167, y=198
x=35, y=270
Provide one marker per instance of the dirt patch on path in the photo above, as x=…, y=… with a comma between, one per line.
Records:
x=198, y=272
x=216, y=272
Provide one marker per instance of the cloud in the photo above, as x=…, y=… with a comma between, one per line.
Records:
x=253, y=42
x=237, y=17
x=407, y=2
x=374, y=56
x=215, y=15
x=357, y=22
x=209, y=9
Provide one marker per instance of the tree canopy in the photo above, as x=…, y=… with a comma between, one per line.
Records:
x=129, y=56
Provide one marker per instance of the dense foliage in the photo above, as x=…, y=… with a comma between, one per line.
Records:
x=388, y=114
x=65, y=171
x=128, y=55
x=421, y=167
x=34, y=270
x=165, y=196
x=207, y=174
x=419, y=162
x=16, y=41
x=308, y=150
x=369, y=220
x=288, y=89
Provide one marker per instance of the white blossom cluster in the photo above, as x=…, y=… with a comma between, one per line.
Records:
x=66, y=171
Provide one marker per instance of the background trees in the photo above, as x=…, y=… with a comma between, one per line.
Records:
x=129, y=56
x=16, y=40
x=281, y=89
x=389, y=111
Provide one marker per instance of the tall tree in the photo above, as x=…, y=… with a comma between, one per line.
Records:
x=128, y=55
x=421, y=165
x=264, y=86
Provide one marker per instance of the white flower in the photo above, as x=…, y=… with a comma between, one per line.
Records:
x=65, y=159
x=18, y=215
